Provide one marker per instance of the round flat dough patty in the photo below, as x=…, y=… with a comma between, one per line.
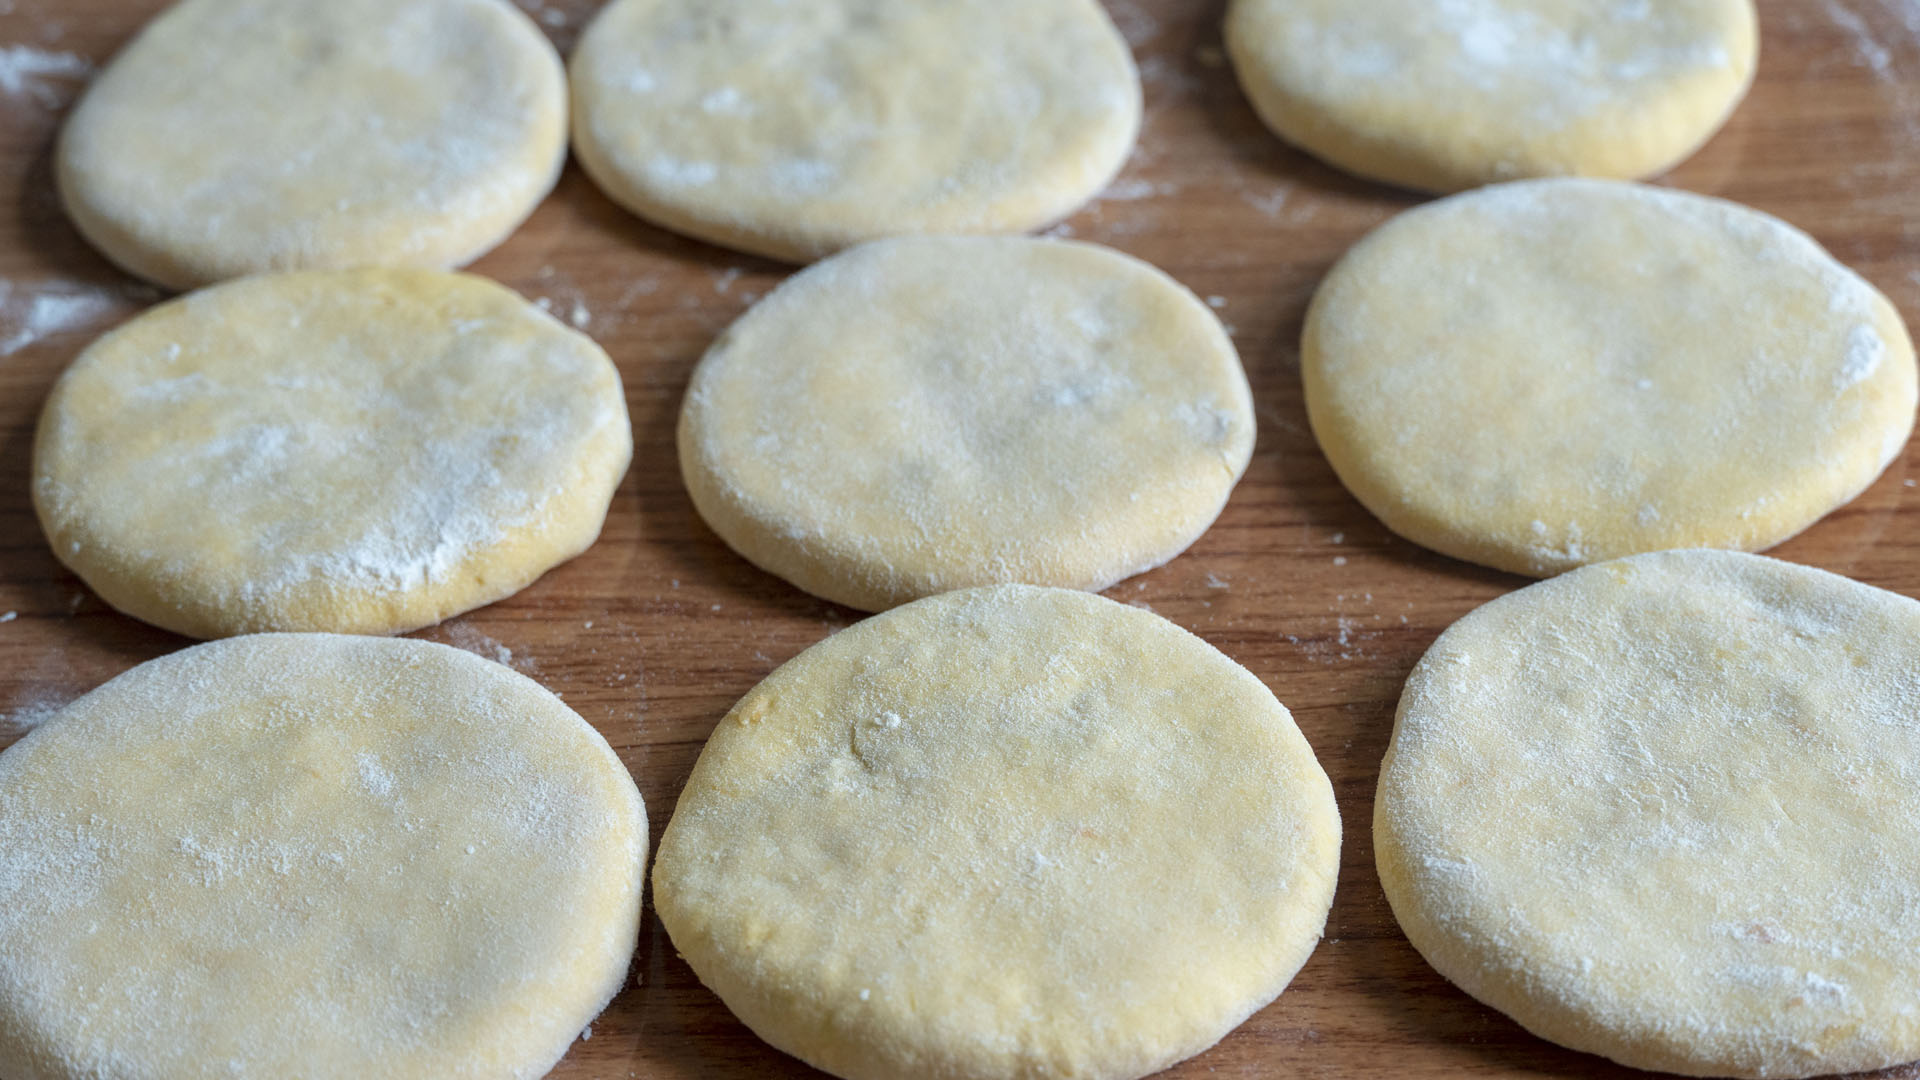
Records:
x=797, y=129
x=1009, y=831
x=313, y=856
x=1545, y=374
x=926, y=414
x=239, y=136
x=1662, y=809
x=365, y=451
x=1442, y=95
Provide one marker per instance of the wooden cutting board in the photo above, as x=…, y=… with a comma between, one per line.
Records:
x=654, y=633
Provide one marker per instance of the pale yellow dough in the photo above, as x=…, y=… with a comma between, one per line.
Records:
x=795, y=129
x=1442, y=95
x=1006, y=832
x=926, y=414
x=239, y=136
x=1662, y=809
x=365, y=451
x=1540, y=375
x=311, y=856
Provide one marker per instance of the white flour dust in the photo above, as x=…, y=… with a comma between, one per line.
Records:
x=1136, y=24
x=574, y=312
x=1869, y=52
x=1132, y=190
x=556, y=294
x=465, y=636
x=1349, y=638
x=1885, y=40
x=545, y=14
x=24, y=717
x=561, y=296
x=33, y=312
x=562, y=21
x=48, y=78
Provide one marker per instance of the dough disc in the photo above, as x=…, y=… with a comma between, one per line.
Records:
x=239, y=136
x=797, y=129
x=1546, y=374
x=1003, y=832
x=927, y=414
x=314, y=856
x=1442, y=95
x=366, y=451
x=1662, y=809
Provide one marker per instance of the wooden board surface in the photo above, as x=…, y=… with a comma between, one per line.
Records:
x=655, y=632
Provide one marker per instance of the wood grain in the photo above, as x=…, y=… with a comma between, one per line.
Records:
x=654, y=633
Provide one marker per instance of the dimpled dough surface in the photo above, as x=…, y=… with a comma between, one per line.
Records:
x=926, y=414
x=239, y=136
x=1540, y=375
x=795, y=129
x=1005, y=832
x=312, y=856
x=364, y=451
x=1442, y=95
x=1662, y=809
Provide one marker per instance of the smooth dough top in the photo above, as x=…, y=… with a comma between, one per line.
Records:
x=926, y=414
x=363, y=451
x=1545, y=374
x=1662, y=809
x=311, y=856
x=797, y=129
x=239, y=136
x=1442, y=95
x=1005, y=832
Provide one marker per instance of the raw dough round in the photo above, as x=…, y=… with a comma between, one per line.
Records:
x=313, y=856
x=238, y=136
x=1442, y=95
x=1662, y=810
x=927, y=414
x=1004, y=832
x=797, y=129
x=1546, y=374
x=361, y=451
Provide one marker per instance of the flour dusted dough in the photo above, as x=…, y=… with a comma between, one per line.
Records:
x=239, y=136
x=365, y=451
x=300, y=855
x=1005, y=832
x=1545, y=374
x=1662, y=809
x=797, y=129
x=1442, y=95
x=926, y=414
